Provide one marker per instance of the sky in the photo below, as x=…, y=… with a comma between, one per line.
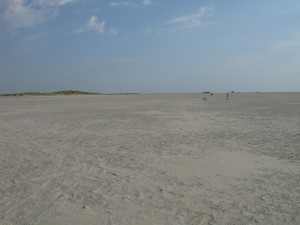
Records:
x=149, y=46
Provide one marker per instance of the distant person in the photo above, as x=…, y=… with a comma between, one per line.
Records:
x=227, y=96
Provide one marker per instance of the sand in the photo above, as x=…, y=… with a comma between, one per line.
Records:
x=150, y=159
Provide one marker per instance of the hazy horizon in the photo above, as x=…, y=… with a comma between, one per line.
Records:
x=149, y=46
x=153, y=93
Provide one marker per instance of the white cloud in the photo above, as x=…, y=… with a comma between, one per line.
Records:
x=52, y=2
x=147, y=2
x=94, y=24
x=34, y=37
x=122, y=4
x=16, y=14
x=113, y=31
x=97, y=9
x=149, y=30
x=80, y=10
x=27, y=13
x=192, y=20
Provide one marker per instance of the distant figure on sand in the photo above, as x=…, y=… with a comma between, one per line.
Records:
x=227, y=96
x=204, y=98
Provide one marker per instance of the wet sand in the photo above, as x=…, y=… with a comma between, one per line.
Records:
x=150, y=159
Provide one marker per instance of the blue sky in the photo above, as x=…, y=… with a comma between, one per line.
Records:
x=149, y=46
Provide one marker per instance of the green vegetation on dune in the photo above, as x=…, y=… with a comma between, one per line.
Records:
x=67, y=92
x=24, y=94
x=72, y=92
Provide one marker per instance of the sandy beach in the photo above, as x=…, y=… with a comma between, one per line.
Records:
x=150, y=159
